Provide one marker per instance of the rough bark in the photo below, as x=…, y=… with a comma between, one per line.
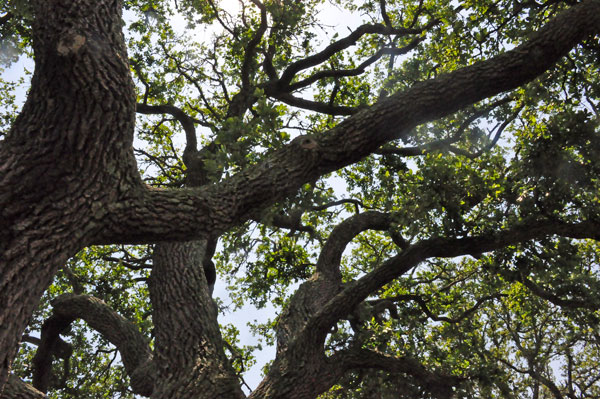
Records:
x=354, y=293
x=304, y=371
x=49, y=345
x=189, y=347
x=67, y=155
x=303, y=364
x=17, y=389
x=180, y=214
x=68, y=179
x=326, y=282
x=189, y=352
x=132, y=345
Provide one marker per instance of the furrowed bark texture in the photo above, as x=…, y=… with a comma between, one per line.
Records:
x=133, y=346
x=67, y=155
x=192, y=212
x=302, y=371
x=17, y=389
x=345, y=301
x=189, y=355
x=326, y=282
x=68, y=177
x=189, y=347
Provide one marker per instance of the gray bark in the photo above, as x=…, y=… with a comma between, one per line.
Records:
x=68, y=179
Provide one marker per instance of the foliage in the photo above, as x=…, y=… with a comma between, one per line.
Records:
x=520, y=320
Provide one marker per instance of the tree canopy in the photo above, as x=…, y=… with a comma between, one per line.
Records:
x=411, y=186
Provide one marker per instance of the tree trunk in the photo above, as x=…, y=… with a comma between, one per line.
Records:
x=67, y=155
x=68, y=177
x=189, y=352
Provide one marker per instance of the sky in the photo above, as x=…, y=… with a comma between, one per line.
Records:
x=340, y=21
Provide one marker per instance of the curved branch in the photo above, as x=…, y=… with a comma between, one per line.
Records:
x=152, y=215
x=17, y=389
x=187, y=122
x=252, y=45
x=339, y=73
x=423, y=305
x=497, y=135
x=291, y=221
x=244, y=99
x=346, y=300
x=589, y=303
x=131, y=343
x=384, y=14
x=327, y=280
x=350, y=40
x=49, y=346
x=455, y=137
x=307, y=345
x=548, y=383
x=331, y=254
x=221, y=22
x=194, y=160
x=438, y=384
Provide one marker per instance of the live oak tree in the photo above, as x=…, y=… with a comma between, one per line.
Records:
x=417, y=197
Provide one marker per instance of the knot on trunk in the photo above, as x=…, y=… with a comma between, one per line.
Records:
x=306, y=142
x=70, y=43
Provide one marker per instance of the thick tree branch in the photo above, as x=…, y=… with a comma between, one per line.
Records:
x=68, y=179
x=356, y=292
x=17, y=389
x=307, y=344
x=439, y=385
x=327, y=279
x=50, y=345
x=151, y=215
x=188, y=344
x=68, y=152
x=291, y=221
x=196, y=174
x=331, y=254
x=131, y=343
